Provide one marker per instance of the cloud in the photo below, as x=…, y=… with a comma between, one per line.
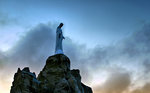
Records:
x=34, y=47
x=130, y=53
x=144, y=89
x=146, y=65
x=138, y=43
x=3, y=60
x=117, y=82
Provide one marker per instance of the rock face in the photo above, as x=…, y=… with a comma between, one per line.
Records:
x=56, y=77
x=24, y=82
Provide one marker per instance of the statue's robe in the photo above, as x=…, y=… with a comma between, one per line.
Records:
x=59, y=38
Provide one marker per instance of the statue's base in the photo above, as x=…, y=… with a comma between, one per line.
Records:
x=59, y=51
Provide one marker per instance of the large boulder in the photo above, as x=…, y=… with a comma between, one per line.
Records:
x=54, y=73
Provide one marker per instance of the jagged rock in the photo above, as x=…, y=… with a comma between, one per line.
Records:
x=86, y=88
x=24, y=82
x=76, y=74
x=56, y=77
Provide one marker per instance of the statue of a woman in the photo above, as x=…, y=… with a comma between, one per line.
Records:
x=59, y=38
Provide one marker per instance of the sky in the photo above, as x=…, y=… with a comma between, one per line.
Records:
x=108, y=40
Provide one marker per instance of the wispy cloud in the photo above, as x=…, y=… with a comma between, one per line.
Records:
x=117, y=82
x=144, y=89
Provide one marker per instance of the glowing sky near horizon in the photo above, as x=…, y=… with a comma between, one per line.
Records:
x=110, y=28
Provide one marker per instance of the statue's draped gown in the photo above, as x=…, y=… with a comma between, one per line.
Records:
x=59, y=38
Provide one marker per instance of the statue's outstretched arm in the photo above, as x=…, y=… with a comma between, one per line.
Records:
x=63, y=37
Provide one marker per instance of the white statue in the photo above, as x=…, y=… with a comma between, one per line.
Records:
x=59, y=38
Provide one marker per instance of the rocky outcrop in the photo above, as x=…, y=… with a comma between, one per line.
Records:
x=56, y=77
x=24, y=82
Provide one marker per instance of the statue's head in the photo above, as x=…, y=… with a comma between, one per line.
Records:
x=61, y=24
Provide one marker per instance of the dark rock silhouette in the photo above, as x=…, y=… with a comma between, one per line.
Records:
x=24, y=82
x=56, y=77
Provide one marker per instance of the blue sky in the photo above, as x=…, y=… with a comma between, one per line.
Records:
x=98, y=22
x=106, y=39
